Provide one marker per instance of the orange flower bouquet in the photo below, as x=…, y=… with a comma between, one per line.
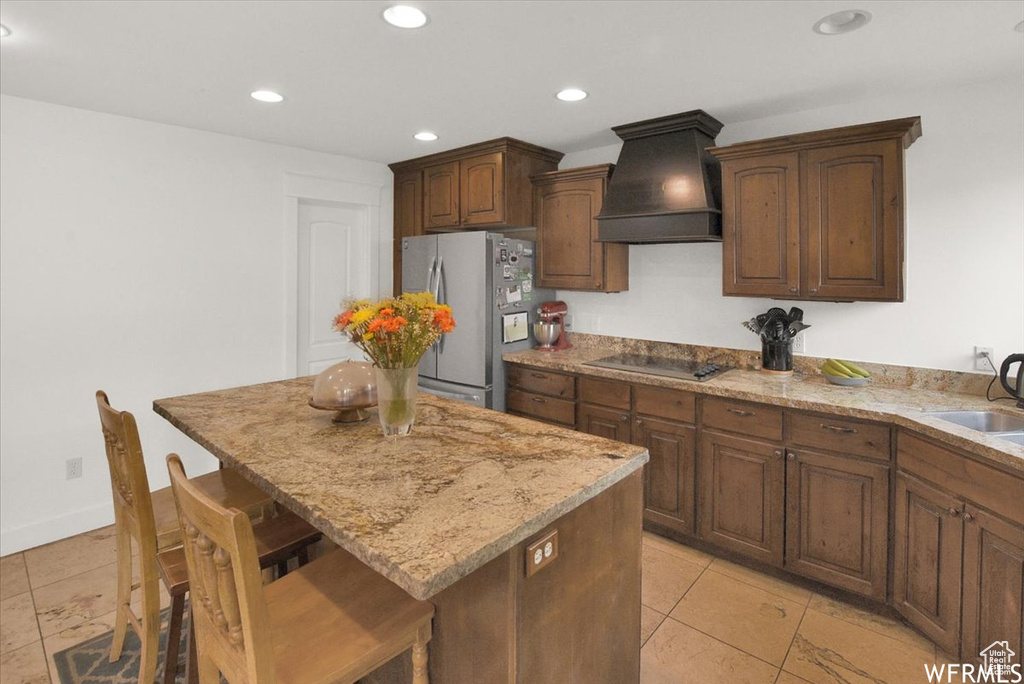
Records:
x=395, y=333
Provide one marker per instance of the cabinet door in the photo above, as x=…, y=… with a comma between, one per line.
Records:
x=603, y=422
x=854, y=228
x=761, y=226
x=837, y=521
x=568, y=256
x=441, y=196
x=993, y=583
x=408, y=216
x=741, y=495
x=928, y=550
x=669, y=476
x=482, y=189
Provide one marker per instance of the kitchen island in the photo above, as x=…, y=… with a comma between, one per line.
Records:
x=448, y=513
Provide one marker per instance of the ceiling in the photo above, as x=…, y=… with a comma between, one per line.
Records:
x=479, y=70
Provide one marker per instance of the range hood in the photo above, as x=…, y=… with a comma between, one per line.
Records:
x=666, y=186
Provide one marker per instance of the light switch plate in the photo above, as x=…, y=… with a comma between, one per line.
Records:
x=541, y=553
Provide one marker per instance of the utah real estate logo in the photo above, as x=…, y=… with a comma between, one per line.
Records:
x=997, y=667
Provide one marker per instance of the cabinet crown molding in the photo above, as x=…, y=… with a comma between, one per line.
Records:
x=908, y=129
x=581, y=173
x=497, y=145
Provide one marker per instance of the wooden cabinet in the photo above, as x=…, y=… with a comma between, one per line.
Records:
x=741, y=495
x=603, y=422
x=993, y=597
x=408, y=215
x=927, y=563
x=837, y=520
x=482, y=186
x=542, y=395
x=817, y=215
x=669, y=484
x=959, y=548
x=569, y=257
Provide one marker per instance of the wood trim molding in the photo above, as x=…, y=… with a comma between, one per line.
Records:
x=488, y=146
x=581, y=173
x=908, y=129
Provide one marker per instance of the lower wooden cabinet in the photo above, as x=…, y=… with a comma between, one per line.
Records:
x=993, y=597
x=837, y=521
x=927, y=563
x=603, y=422
x=741, y=495
x=669, y=478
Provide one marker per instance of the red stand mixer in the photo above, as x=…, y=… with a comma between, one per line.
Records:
x=550, y=329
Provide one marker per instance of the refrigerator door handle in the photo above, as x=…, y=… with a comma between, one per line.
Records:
x=440, y=283
x=437, y=285
x=430, y=274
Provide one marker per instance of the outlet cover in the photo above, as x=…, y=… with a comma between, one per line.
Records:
x=800, y=343
x=74, y=468
x=980, y=364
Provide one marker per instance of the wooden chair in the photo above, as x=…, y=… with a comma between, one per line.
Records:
x=334, y=620
x=151, y=519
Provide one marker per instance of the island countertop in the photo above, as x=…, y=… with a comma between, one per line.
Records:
x=424, y=510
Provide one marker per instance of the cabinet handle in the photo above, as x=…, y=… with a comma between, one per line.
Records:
x=625, y=418
x=792, y=289
x=539, y=376
x=740, y=412
x=778, y=453
x=639, y=421
x=813, y=290
x=968, y=517
x=839, y=428
x=791, y=456
x=539, y=400
x=954, y=512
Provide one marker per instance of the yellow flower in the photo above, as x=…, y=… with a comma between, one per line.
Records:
x=368, y=336
x=361, y=316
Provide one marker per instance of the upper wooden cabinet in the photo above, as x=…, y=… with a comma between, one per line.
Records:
x=817, y=215
x=569, y=257
x=481, y=186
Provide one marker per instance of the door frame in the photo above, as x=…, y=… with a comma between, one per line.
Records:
x=299, y=187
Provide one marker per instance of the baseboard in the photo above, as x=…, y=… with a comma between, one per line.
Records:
x=17, y=539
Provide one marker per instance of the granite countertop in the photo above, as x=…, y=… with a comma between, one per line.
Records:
x=424, y=510
x=903, y=406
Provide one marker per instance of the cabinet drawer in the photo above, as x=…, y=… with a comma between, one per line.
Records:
x=754, y=420
x=545, y=408
x=665, y=403
x=542, y=382
x=610, y=393
x=994, y=489
x=869, y=440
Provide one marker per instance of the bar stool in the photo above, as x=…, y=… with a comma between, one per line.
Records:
x=332, y=621
x=150, y=518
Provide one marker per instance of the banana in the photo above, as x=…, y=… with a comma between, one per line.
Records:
x=853, y=369
x=832, y=368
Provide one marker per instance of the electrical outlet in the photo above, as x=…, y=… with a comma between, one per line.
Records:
x=800, y=343
x=542, y=552
x=980, y=364
x=567, y=322
x=74, y=468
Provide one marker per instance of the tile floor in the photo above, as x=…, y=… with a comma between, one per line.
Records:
x=704, y=620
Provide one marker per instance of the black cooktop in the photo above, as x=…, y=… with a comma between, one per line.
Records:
x=656, y=365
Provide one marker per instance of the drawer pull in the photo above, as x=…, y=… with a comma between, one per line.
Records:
x=740, y=412
x=778, y=453
x=539, y=376
x=791, y=456
x=839, y=428
x=968, y=517
x=539, y=400
x=954, y=512
x=624, y=418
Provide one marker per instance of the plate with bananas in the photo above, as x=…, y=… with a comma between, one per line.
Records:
x=844, y=373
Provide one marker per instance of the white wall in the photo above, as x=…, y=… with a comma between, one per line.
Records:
x=144, y=259
x=965, y=245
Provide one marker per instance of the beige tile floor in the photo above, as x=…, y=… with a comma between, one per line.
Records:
x=704, y=620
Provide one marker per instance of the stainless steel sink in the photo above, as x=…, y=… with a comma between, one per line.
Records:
x=982, y=421
x=1015, y=437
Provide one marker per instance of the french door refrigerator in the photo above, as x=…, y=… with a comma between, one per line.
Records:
x=487, y=280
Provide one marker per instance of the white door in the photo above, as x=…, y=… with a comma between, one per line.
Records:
x=334, y=265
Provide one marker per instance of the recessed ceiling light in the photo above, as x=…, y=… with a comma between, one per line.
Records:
x=405, y=16
x=842, y=22
x=571, y=95
x=4, y=31
x=1019, y=28
x=426, y=136
x=266, y=96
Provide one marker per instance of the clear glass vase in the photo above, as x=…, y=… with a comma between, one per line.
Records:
x=396, y=399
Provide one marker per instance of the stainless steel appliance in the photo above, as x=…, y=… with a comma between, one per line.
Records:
x=656, y=365
x=552, y=319
x=487, y=279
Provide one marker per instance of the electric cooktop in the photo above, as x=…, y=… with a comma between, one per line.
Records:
x=656, y=365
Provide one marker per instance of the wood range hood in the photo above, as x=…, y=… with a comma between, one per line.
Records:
x=666, y=186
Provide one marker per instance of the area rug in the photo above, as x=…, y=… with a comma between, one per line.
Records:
x=88, y=662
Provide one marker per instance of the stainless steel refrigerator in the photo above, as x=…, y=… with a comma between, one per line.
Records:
x=487, y=280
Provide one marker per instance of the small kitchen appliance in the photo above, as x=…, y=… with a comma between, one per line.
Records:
x=1016, y=391
x=552, y=319
x=656, y=365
